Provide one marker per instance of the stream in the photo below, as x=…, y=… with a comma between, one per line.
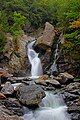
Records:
x=52, y=106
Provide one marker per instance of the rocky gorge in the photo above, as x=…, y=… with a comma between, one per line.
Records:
x=15, y=68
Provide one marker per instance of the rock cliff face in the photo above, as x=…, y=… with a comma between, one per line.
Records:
x=15, y=51
x=44, y=44
x=48, y=35
x=15, y=54
x=15, y=57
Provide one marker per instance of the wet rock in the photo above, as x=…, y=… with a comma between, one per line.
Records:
x=74, y=108
x=2, y=96
x=50, y=88
x=75, y=116
x=53, y=82
x=66, y=78
x=8, y=89
x=30, y=95
x=69, y=97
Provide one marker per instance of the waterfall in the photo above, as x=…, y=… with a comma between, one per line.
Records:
x=54, y=65
x=52, y=107
x=36, y=67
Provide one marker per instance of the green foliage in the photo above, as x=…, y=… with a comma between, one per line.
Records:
x=64, y=14
x=19, y=21
x=3, y=21
x=2, y=40
x=68, y=11
x=57, y=12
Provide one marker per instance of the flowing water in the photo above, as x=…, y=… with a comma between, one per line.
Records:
x=52, y=106
x=36, y=67
x=54, y=65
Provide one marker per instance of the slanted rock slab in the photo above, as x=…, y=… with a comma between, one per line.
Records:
x=48, y=35
x=53, y=82
x=66, y=78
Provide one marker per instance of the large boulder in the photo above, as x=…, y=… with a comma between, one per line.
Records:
x=29, y=95
x=44, y=44
x=48, y=35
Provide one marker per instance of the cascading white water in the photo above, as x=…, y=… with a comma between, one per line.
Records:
x=54, y=65
x=36, y=67
x=52, y=107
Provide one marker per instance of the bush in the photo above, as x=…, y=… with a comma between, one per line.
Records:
x=2, y=40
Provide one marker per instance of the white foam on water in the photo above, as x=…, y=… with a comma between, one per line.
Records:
x=51, y=108
x=36, y=67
